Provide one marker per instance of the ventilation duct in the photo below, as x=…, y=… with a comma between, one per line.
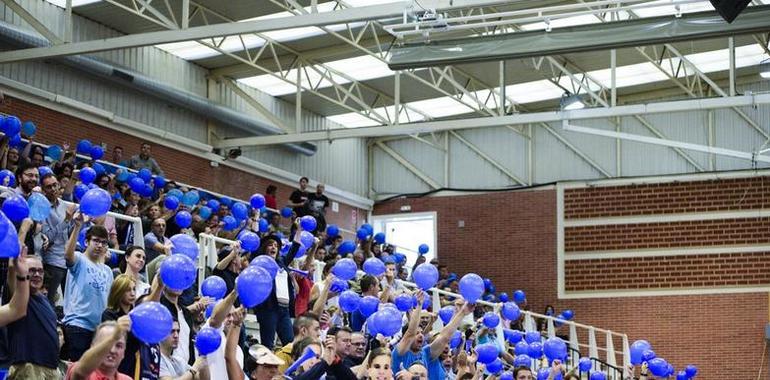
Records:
x=16, y=36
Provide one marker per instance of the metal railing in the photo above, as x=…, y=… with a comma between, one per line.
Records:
x=208, y=259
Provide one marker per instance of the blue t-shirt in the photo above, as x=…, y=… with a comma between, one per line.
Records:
x=435, y=369
x=406, y=360
x=86, y=292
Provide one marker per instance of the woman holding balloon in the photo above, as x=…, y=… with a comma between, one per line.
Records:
x=132, y=264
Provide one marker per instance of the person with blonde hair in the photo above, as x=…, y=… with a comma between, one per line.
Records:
x=121, y=299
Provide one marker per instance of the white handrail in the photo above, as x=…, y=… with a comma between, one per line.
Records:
x=207, y=257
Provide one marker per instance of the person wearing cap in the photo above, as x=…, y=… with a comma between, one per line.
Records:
x=274, y=315
x=265, y=363
x=172, y=368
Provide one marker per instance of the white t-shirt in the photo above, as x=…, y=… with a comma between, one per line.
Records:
x=216, y=359
x=182, y=353
x=172, y=367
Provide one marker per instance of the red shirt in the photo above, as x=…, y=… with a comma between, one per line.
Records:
x=270, y=202
x=96, y=374
x=303, y=295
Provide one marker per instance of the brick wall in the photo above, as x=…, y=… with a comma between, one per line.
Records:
x=56, y=128
x=511, y=238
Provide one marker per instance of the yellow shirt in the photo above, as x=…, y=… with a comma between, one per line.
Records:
x=285, y=354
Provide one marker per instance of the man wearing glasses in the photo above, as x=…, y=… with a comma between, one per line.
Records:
x=87, y=288
x=56, y=231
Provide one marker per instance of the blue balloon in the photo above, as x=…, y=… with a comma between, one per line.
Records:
x=404, y=302
x=240, y=211
x=80, y=190
x=658, y=367
x=170, y=202
x=308, y=223
x=426, y=303
x=98, y=168
x=349, y=301
x=507, y=375
x=332, y=230
x=306, y=238
x=226, y=201
x=178, y=272
x=423, y=249
x=249, y=241
x=97, y=152
x=648, y=355
x=522, y=361
x=15, y=141
x=254, y=286
x=257, y=201
x=486, y=353
x=682, y=375
x=39, y=207
x=513, y=336
x=213, y=204
x=7, y=178
x=542, y=373
x=585, y=364
x=183, y=219
x=204, y=212
x=173, y=193
x=214, y=287
x=191, y=198
x=263, y=225
x=495, y=367
x=491, y=320
x=15, y=208
x=146, y=191
x=267, y=263
x=136, y=184
x=123, y=175
x=446, y=313
x=597, y=375
x=457, y=338
x=510, y=311
x=374, y=266
x=535, y=350
x=368, y=227
x=286, y=212
x=11, y=125
x=691, y=370
x=28, y=129
x=502, y=297
x=637, y=351
x=151, y=322
x=379, y=238
x=54, y=152
x=521, y=348
x=87, y=175
x=229, y=223
x=471, y=287
x=532, y=336
x=184, y=244
x=84, y=147
x=346, y=247
x=338, y=286
x=425, y=276
x=210, y=309
x=207, y=340
x=10, y=240
x=555, y=348
x=362, y=234
x=145, y=174
x=345, y=269
x=568, y=314
x=519, y=296
x=368, y=305
x=159, y=182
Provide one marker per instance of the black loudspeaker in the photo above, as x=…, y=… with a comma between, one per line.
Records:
x=730, y=9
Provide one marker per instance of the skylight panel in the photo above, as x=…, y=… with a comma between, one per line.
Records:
x=441, y=107
x=353, y=120
x=666, y=8
x=361, y=68
x=75, y=3
x=189, y=50
x=533, y=91
x=563, y=22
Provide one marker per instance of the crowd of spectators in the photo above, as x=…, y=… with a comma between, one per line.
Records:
x=68, y=296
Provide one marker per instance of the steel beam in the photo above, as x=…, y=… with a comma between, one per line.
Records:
x=370, y=12
x=487, y=158
x=408, y=165
x=256, y=105
x=500, y=121
x=33, y=21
